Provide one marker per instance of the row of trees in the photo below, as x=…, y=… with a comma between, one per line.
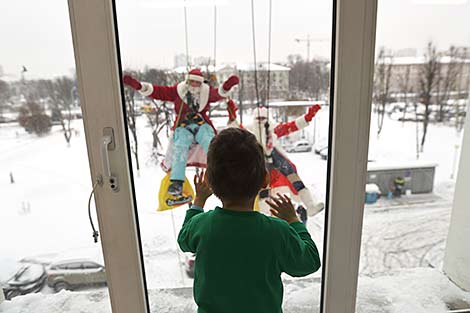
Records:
x=5, y=94
x=427, y=87
x=431, y=87
x=57, y=95
x=308, y=79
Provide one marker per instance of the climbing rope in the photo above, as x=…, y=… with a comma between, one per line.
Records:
x=186, y=36
x=266, y=125
x=215, y=36
x=269, y=54
x=254, y=50
x=255, y=66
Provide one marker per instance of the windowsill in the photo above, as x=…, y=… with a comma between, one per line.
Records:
x=417, y=288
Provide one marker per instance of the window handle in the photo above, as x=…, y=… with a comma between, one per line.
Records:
x=107, y=144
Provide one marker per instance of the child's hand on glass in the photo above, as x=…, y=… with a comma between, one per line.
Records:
x=282, y=207
x=203, y=191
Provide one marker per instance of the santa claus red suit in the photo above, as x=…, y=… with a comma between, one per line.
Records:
x=192, y=99
x=283, y=171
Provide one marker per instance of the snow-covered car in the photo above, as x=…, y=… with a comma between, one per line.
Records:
x=21, y=278
x=300, y=146
x=189, y=262
x=324, y=153
x=74, y=274
x=320, y=145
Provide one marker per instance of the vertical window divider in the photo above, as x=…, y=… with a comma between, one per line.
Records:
x=93, y=24
x=354, y=46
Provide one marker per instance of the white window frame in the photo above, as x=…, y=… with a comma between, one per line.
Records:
x=354, y=47
x=98, y=70
x=98, y=73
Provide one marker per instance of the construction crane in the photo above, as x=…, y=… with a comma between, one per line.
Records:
x=308, y=40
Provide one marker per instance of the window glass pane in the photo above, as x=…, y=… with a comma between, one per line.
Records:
x=44, y=172
x=413, y=228
x=300, y=74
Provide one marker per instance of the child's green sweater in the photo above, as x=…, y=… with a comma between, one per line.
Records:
x=240, y=257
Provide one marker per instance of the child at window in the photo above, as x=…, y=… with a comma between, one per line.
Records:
x=242, y=253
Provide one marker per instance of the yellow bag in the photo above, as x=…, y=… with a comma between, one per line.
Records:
x=164, y=198
x=256, y=204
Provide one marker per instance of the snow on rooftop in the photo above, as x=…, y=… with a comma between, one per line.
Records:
x=413, y=60
x=210, y=68
x=261, y=66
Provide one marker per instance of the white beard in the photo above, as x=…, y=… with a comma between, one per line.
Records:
x=195, y=93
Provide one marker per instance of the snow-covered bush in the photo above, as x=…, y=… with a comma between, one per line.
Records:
x=34, y=120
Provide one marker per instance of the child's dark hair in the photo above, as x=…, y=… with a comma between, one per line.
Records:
x=235, y=165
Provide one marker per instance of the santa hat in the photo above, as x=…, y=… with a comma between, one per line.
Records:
x=196, y=75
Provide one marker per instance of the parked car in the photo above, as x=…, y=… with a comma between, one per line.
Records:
x=74, y=274
x=320, y=145
x=21, y=278
x=189, y=263
x=324, y=153
x=300, y=146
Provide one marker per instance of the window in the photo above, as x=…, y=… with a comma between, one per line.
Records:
x=99, y=92
x=150, y=133
x=45, y=178
x=421, y=90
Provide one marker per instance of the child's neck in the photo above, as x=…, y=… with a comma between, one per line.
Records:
x=238, y=205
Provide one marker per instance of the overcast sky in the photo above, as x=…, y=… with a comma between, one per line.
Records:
x=37, y=33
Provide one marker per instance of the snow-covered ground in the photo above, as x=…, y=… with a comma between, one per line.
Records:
x=407, y=291
x=44, y=214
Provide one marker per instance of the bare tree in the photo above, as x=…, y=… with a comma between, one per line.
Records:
x=447, y=82
x=405, y=86
x=131, y=123
x=463, y=87
x=249, y=90
x=382, y=80
x=263, y=85
x=63, y=88
x=307, y=79
x=415, y=104
x=159, y=118
x=428, y=80
x=159, y=113
x=59, y=92
x=406, y=89
x=5, y=94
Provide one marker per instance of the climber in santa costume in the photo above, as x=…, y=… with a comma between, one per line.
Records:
x=192, y=99
x=283, y=171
